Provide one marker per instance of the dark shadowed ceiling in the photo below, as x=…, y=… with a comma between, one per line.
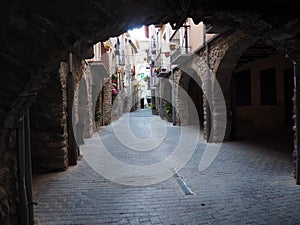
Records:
x=36, y=35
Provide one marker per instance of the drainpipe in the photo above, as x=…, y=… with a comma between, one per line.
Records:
x=102, y=104
x=23, y=202
x=173, y=97
x=186, y=38
x=207, y=88
x=103, y=84
x=297, y=104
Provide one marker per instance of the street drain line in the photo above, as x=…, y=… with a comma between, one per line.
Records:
x=186, y=190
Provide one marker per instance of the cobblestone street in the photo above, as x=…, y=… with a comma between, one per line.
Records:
x=249, y=182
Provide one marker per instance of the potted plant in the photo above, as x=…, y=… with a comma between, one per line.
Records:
x=168, y=111
x=114, y=84
x=154, y=110
x=98, y=116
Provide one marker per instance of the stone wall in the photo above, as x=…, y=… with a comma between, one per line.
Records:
x=107, y=101
x=104, y=105
x=164, y=97
x=135, y=96
x=223, y=62
x=159, y=98
x=182, y=99
x=49, y=125
x=117, y=104
x=218, y=87
x=83, y=102
x=8, y=177
x=224, y=51
x=248, y=117
x=48, y=34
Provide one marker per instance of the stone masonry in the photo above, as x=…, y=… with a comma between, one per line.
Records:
x=249, y=182
x=227, y=47
x=102, y=102
x=224, y=52
x=8, y=177
x=107, y=101
x=38, y=36
x=182, y=104
x=49, y=125
x=83, y=109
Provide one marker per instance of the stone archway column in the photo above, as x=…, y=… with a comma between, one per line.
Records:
x=107, y=101
x=222, y=105
x=182, y=105
x=181, y=99
x=218, y=113
x=296, y=152
x=207, y=89
x=229, y=116
x=90, y=107
x=175, y=85
x=72, y=146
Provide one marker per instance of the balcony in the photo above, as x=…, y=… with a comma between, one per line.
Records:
x=98, y=73
x=181, y=55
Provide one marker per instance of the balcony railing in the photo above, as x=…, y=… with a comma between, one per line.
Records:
x=181, y=51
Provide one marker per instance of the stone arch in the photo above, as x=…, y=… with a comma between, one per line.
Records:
x=196, y=93
x=164, y=97
x=49, y=32
x=48, y=123
x=190, y=81
x=126, y=105
x=223, y=64
x=82, y=100
x=238, y=43
x=85, y=110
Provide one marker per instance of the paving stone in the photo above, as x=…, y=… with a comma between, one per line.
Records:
x=134, y=221
x=249, y=182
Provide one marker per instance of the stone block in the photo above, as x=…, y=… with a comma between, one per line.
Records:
x=56, y=144
x=41, y=136
x=36, y=144
x=4, y=206
x=4, y=172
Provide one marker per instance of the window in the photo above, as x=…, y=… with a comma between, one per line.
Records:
x=268, y=93
x=243, y=88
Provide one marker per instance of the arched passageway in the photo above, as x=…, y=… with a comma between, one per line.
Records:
x=37, y=37
x=196, y=93
x=190, y=105
x=262, y=84
x=258, y=85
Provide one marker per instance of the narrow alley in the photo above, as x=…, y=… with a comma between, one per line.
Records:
x=181, y=112
x=249, y=182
